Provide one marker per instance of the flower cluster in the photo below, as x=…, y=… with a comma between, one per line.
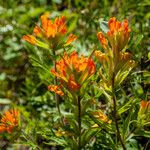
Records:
x=9, y=121
x=50, y=32
x=118, y=34
x=115, y=61
x=73, y=71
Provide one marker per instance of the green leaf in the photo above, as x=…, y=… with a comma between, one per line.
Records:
x=139, y=89
x=73, y=23
x=131, y=145
x=126, y=125
x=149, y=55
x=104, y=26
x=87, y=135
x=5, y=101
x=128, y=105
x=142, y=132
x=138, y=40
x=57, y=141
x=37, y=63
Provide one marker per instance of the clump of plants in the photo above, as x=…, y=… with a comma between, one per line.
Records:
x=87, y=90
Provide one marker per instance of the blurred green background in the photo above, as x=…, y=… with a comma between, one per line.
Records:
x=22, y=80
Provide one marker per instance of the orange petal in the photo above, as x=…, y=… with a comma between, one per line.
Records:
x=37, y=30
x=44, y=21
x=9, y=121
x=72, y=85
x=56, y=89
x=70, y=39
x=58, y=75
x=30, y=38
x=102, y=39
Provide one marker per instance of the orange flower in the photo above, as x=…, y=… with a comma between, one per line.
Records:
x=102, y=39
x=116, y=27
x=73, y=70
x=56, y=89
x=119, y=33
x=9, y=121
x=70, y=39
x=37, y=31
x=51, y=30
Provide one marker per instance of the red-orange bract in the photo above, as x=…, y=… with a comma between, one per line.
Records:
x=56, y=89
x=73, y=70
x=145, y=106
x=50, y=30
x=118, y=34
x=144, y=113
x=9, y=121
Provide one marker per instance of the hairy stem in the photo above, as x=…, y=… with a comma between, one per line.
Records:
x=115, y=113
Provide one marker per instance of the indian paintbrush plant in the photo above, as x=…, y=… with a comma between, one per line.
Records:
x=78, y=82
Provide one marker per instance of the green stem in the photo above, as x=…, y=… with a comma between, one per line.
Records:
x=115, y=113
x=56, y=96
x=79, y=122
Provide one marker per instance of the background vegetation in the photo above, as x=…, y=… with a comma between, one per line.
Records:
x=22, y=80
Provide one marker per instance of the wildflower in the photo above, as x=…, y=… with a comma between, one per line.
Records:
x=73, y=70
x=114, y=60
x=118, y=34
x=56, y=89
x=9, y=121
x=50, y=30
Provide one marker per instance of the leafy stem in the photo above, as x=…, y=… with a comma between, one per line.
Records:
x=115, y=113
